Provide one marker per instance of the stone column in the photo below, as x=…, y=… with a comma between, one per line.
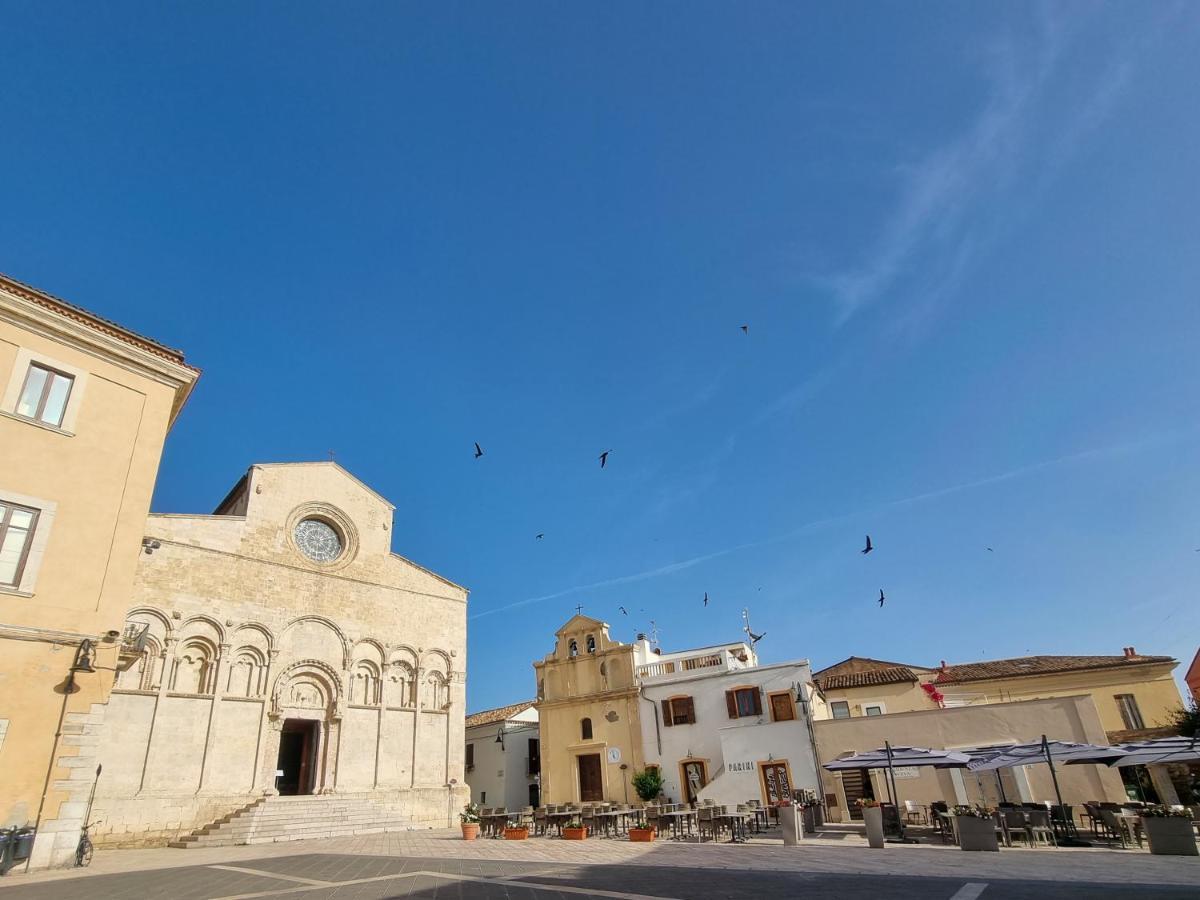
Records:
x=382, y=697
x=267, y=750
x=418, y=679
x=1160, y=777
x=163, y=681
x=218, y=692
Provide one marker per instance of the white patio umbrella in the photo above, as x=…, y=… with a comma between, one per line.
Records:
x=1161, y=750
x=888, y=757
x=1049, y=752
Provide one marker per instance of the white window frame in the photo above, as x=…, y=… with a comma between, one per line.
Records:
x=37, y=546
x=879, y=703
x=16, y=383
x=833, y=715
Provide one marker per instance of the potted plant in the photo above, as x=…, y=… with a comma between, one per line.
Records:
x=648, y=784
x=872, y=811
x=976, y=828
x=1169, y=831
x=811, y=809
x=574, y=831
x=641, y=833
x=469, y=819
x=516, y=832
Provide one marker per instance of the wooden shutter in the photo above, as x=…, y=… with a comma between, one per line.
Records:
x=731, y=704
x=691, y=711
x=757, y=701
x=666, y=713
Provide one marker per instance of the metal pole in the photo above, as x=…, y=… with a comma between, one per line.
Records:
x=1054, y=777
x=1000, y=785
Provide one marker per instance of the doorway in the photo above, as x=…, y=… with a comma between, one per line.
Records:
x=297, y=756
x=695, y=776
x=857, y=785
x=591, y=786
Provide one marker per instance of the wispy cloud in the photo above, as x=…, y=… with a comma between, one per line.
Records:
x=1096, y=453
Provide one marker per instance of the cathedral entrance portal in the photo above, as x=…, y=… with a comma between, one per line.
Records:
x=297, y=756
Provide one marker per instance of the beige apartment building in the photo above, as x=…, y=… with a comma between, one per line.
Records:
x=85, y=405
x=1135, y=695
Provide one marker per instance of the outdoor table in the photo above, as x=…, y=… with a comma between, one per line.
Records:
x=759, y=811
x=737, y=823
x=680, y=817
x=558, y=819
x=612, y=819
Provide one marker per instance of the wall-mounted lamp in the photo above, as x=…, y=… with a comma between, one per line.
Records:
x=500, y=737
x=84, y=657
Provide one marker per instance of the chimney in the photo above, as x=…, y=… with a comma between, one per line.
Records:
x=1130, y=653
x=944, y=666
x=641, y=636
x=658, y=651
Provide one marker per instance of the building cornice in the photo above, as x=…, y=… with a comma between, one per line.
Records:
x=64, y=323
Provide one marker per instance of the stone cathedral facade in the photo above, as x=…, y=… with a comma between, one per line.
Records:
x=278, y=646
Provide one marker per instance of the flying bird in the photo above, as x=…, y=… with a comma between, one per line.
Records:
x=604, y=458
x=478, y=450
x=706, y=598
x=622, y=609
x=538, y=537
x=745, y=329
x=867, y=549
x=755, y=638
x=990, y=550
x=881, y=597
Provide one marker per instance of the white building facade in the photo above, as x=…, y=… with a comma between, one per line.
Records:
x=719, y=726
x=503, y=756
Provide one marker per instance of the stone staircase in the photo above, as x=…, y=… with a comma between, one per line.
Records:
x=272, y=819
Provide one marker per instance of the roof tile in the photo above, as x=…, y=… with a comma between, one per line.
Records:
x=500, y=714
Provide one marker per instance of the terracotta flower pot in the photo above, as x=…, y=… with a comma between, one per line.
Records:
x=516, y=834
x=574, y=834
x=642, y=835
x=470, y=830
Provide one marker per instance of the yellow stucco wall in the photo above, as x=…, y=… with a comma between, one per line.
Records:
x=93, y=477
x=574, y=688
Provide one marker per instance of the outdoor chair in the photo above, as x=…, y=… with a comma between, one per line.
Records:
x=1110, y=827
x=1014, y=821
x=913, y=808
x=525, y=818
x=588, y=817
x=1063, y=816
x=651, y=814
x=1090, y=812
x=705, y=822
x=1001, y=829
x=540, y=821
x=1040, y=827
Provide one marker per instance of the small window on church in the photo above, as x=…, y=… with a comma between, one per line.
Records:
x=585, y=727
x=573, y=648
x=591, y=643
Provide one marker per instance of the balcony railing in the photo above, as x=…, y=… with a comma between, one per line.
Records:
x=686, y=664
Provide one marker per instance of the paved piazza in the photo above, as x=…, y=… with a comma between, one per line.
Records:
x=441, y=865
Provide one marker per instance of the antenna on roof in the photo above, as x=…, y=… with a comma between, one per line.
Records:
x=653, y=633
x=754, y=638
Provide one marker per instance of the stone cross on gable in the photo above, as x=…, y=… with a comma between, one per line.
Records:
x=579, y=610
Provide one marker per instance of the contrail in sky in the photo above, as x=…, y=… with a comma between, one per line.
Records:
x=1019, y=472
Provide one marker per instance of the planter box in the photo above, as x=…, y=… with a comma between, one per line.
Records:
x=574, y=834
x=470, y=830
x=873, y=819
x=516, y=834
x=1170, y=836
x=642, y=835
x=977, y=834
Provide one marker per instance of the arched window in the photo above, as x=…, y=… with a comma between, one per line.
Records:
x=365, y=684
x=591, y=643
x=193, y=669
x=585, y=728
x=246, y=673
x=573, y=648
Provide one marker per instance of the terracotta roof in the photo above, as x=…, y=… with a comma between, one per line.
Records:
x=500, y=714
x=894, y=675
x=1039, y=665
x=856, y=663
x=86, y=317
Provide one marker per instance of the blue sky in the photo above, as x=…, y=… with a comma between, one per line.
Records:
x=964, y=238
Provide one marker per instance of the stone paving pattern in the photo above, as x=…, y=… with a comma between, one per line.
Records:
x=376, y=867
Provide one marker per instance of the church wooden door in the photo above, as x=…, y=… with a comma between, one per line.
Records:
x=591, y=787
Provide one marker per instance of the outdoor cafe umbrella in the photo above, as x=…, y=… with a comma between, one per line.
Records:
x=1049, y=752
x=1161, y=750
x=888, y=757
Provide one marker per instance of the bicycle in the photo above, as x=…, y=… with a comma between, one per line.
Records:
x=83, y=851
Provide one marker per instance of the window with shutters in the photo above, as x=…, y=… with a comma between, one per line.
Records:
x=678, y=711
x=470, y=760
x=1130, y=714
x=743, y=702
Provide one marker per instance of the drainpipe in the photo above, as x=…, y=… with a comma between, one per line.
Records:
x=802, y=694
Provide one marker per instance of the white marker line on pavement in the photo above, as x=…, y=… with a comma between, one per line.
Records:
x=970, y=890
x=448, y=876
x=263, y=872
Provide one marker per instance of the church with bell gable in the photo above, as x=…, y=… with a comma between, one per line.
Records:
x=279, y=650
